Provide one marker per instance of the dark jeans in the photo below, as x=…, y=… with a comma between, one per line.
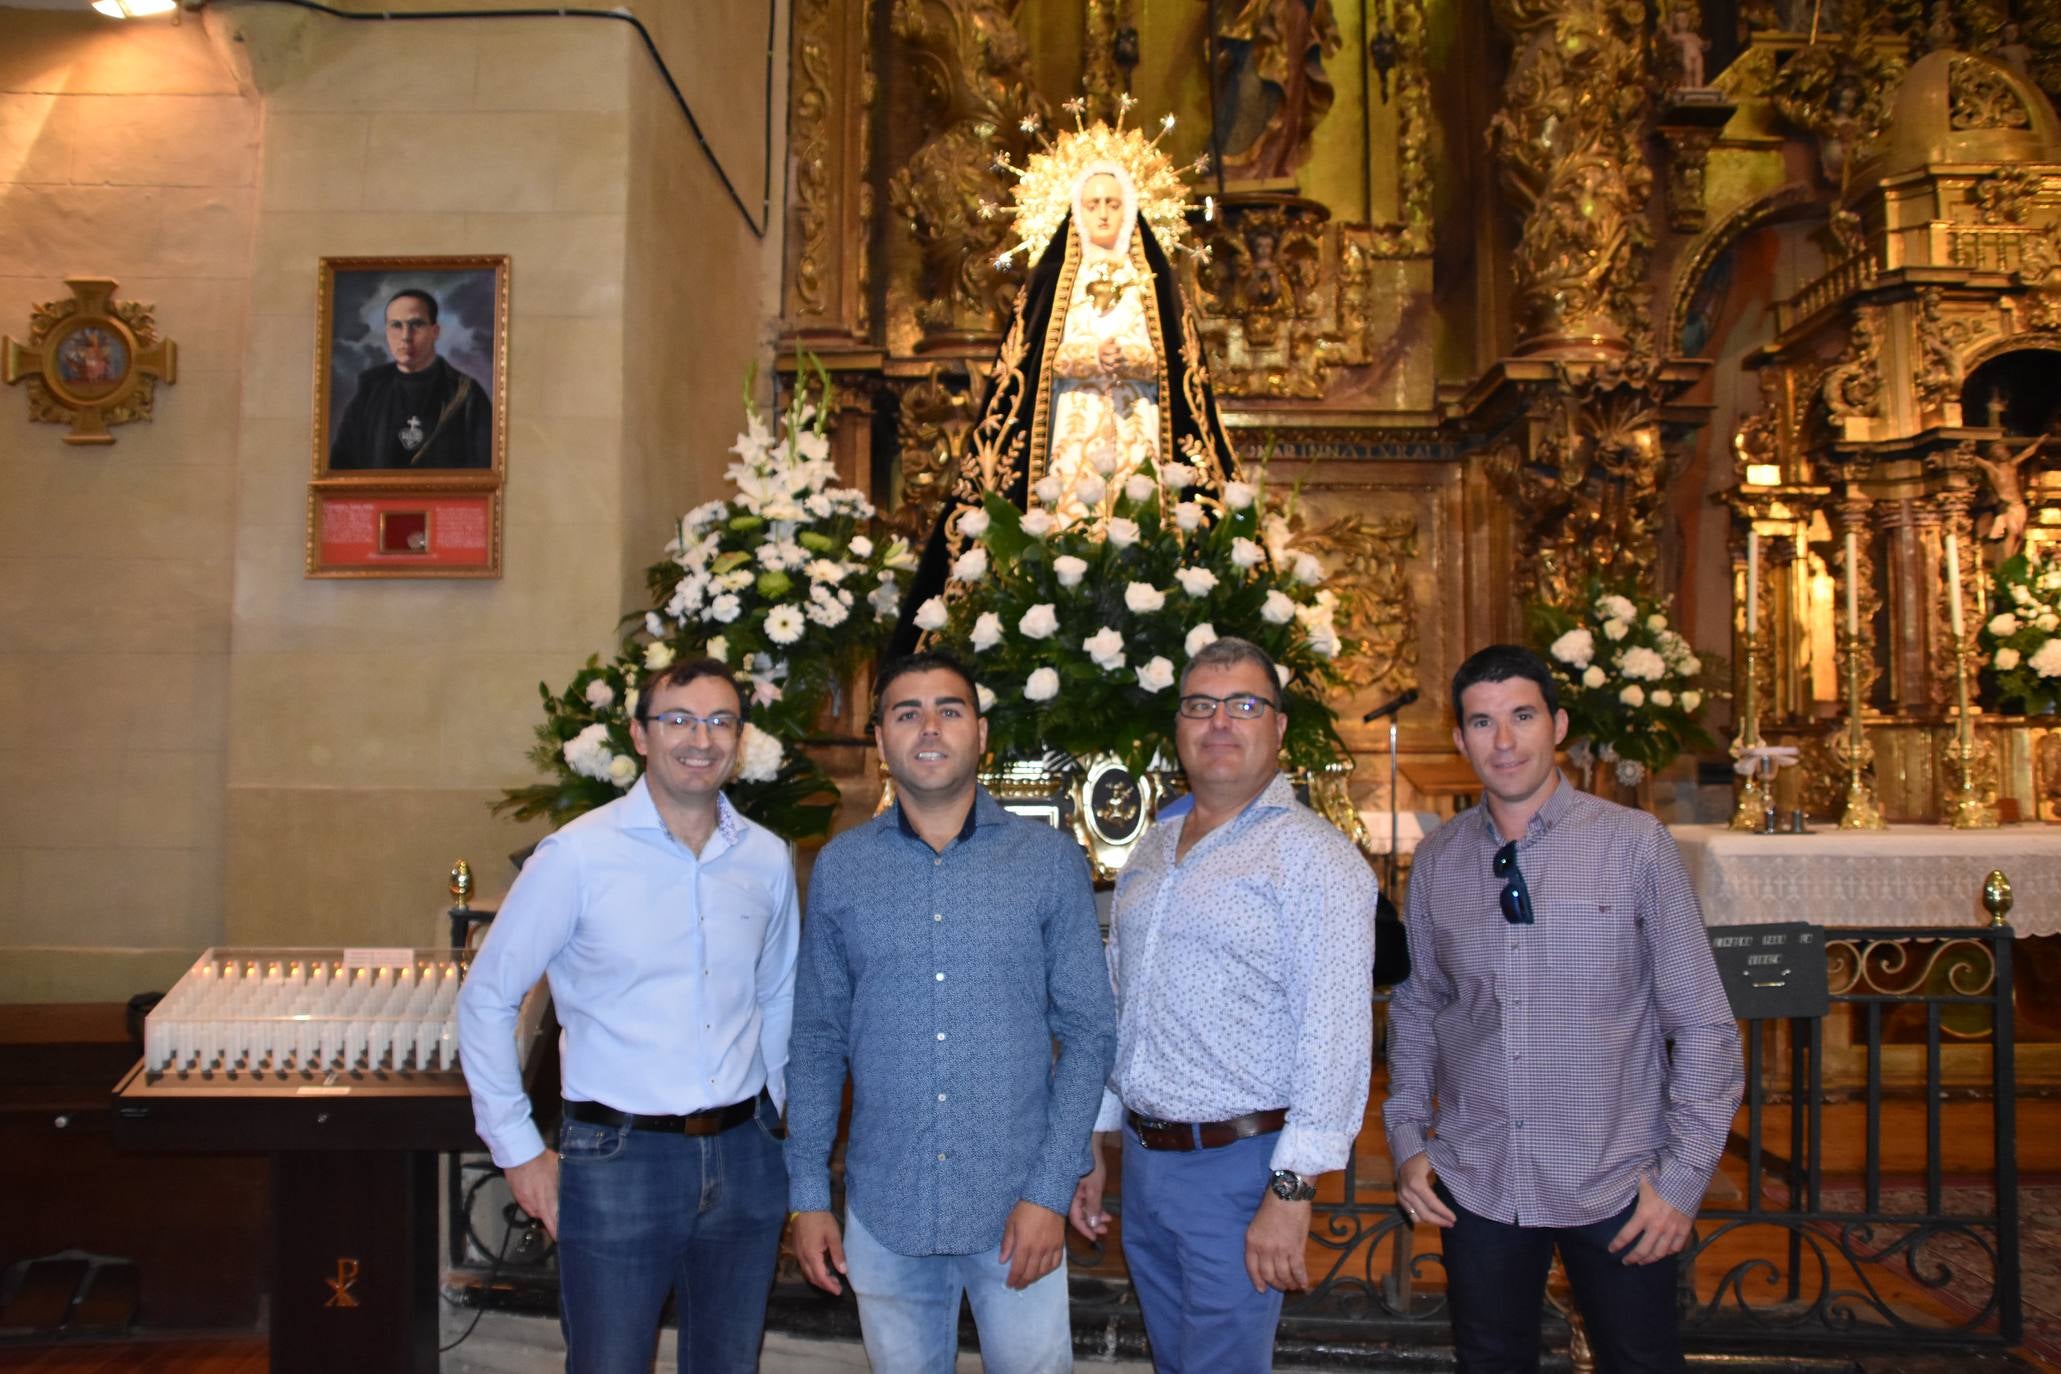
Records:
x=644, y=1213
x=1496, y=1285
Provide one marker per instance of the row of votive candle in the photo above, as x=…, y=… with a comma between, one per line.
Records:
x=306, y=1014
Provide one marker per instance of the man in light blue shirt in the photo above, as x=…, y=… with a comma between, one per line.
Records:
x=949, y=945
x=668, y=927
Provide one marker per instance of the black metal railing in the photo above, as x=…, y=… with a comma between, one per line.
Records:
x=1815, y=1257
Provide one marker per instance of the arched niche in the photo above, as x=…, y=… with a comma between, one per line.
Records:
x=2015, y=389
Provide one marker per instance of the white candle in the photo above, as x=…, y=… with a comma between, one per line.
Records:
x=1953, y=562
x=1853, y=612
x=1752, y=580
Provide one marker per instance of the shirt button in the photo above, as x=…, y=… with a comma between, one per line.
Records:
x=937, y=915
x=940, y=1097
x=938, y=862
x=941, y=977
x=1519, y=1125
x=941, y=1156
x=940, y=1035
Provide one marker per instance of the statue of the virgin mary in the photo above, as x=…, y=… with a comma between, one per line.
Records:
x=1101, y=375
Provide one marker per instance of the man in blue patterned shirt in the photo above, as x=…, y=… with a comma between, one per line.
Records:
x=1564, y=1014
x=948, y=946
x=1242, y=948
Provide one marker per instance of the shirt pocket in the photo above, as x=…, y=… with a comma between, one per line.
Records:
x=734, y=916
x=1597, y=946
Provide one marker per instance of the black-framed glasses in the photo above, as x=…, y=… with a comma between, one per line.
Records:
x=1515, y=898
x=1244, y=706
x=720, y=723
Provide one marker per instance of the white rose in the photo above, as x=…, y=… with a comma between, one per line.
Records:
x=987, y=632
x=1663, y=697
x=861, y=546
x=1282, y=674
x=985, y=696
x=630, y=704
x=1656, y=622
x=1188, y=515
x=622, y=770
x=1048, y=491
x=1038, y=623
x=1632, y=695
x=1178, y=476
x=2006, y=658
x=1308, y=569
x=1200, y=638
x=1614, y=630
x=1105, y=647
x=1143, y=598
x=2047, y=621
x=1070, y=569
x=1617, y=608
x=2046, y=661
x=931, y=614
x=784, y=625
x=1237, y=495
x=758, y=755
x=1041, y=685
x=1122, y=532
x=1690, y=666
x=718, y=649
x=725, y=608
x=1244, y=553
x=1278, y=608
x=1691, y=700
x=1138, y=487
x=1090, y=489
x=658, y=656
x=970, y=566
x=973, y=523
x=1038, y=523
x=1574, y=648
x=2003, y=626
x=1105, y=459
x=2020, y=595
x=587, y=753
x=1196, y=581
x=600, y=695
x=1595, y=676
x=1157, y=675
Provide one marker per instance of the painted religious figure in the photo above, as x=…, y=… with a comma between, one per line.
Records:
x=1271, y=87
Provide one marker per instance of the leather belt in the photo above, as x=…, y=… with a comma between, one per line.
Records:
x=710, y=1122
x=1183, y=1135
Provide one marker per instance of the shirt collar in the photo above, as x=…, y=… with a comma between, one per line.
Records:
x=984, y=811
x=640, y=812
x=1543, y=820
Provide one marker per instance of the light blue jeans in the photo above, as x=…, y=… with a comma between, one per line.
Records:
x=909, y=1310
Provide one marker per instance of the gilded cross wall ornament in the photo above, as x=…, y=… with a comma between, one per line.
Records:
x=90, y=362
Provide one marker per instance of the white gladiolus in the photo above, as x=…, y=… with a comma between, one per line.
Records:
x=1157, y=675
x=1237, y=495
x=970, y=566
x=1196, y=581
x=1106, y=648
x=1122, y=532
x=973, y=523
x=1143, y=598
x=987, y=632
x=1245, y=553
x=658, y=656
x=784, y=625
x=1575, y=648
x=931, y=614
x=1070, y=569
x=1038, y=523
x=1278, y=608
x=1595, y=676
x=1039, y=622
x=1200, y=638
x=1188, y=516
x=759, y=755
x=2006, y=658
x=600, y=695
x=1632, y=695
x=1041, y=685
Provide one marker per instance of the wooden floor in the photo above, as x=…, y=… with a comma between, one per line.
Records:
x=169, y=1355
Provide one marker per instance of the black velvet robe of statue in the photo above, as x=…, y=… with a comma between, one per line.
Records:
x=1016, y=396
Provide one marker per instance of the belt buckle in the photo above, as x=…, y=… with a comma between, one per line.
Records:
x=1147, y=1123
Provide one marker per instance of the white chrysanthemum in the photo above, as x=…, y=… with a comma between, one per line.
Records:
x=1643, y=665
x=1188, y=516
x=1594, y=676
x=1106, y=648
x=970, y=566
x=1278, y=608
x=2047, y=622
x=622, y=770
x=1617, y=608
x=759, y=755
x=658, y=656
x=1038, y=523
x=599, y=694
x=784, y=624
x=1200, y=638
x=1041, y=685
x=2006, y=658
x=1575, y=648
x=1237, y=495
x=724, y=608
x=1157, y=675
x=587, y=753
x=1070, y=569
x=1632, y=695
x=2003, y=626
x=827, y=570
x=973, y=523
x=1039, y=621
x=1245, y=553
x=861, y=546
x=2046, y=660
x=1143, y=598
x=1196, y=581
x=1122, y=532
x=931, y=614
x=987, y=632
x=1689, y=666
x=830, y=612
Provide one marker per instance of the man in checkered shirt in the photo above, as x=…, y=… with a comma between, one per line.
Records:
x=1564, y=1013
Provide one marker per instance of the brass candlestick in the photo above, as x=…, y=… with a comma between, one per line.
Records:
x=1752, y=811
x=1996, y=897
x=1863, y=809
x=1966, y=809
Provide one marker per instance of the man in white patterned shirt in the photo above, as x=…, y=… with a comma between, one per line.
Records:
x=1242, y=948
x=1564, y=1010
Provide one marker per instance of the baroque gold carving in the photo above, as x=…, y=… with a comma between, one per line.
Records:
x=1410, y=236
x=1940, y=344
x=1978, y=97
x=1282, y=297
x=1840, y=94
x=1688, y=156
x=1852, y=387
x=1271, y=82
x=1567, y=144
x=930, y=433
x=808, y=124
x=974, y=72
x=2006, y=196
x=1368, y=558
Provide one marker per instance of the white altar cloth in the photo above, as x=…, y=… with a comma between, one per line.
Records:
x=1907, y=875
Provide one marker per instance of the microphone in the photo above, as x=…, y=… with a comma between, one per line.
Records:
x=1389, y=708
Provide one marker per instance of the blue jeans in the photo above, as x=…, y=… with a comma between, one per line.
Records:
x=909, y=1310
x=644, y=1213
x=1496, y=1287
x=1184, y=1220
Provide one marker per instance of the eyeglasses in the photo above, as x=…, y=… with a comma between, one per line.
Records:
x=1244, y=706
x=1515, y=898
x=721, y=723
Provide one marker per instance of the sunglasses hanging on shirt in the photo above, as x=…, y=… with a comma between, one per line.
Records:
x=1515, y=898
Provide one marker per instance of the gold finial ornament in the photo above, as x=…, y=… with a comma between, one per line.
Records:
x=1045, y=183
x=461, y=886
x=1996, y=897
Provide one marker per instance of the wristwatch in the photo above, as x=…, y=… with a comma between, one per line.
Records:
x=1292, y=1187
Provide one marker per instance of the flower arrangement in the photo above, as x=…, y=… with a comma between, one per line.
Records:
x=783, y=583
x=2023, y=639
x=1631, y=686
x=1079, y=630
